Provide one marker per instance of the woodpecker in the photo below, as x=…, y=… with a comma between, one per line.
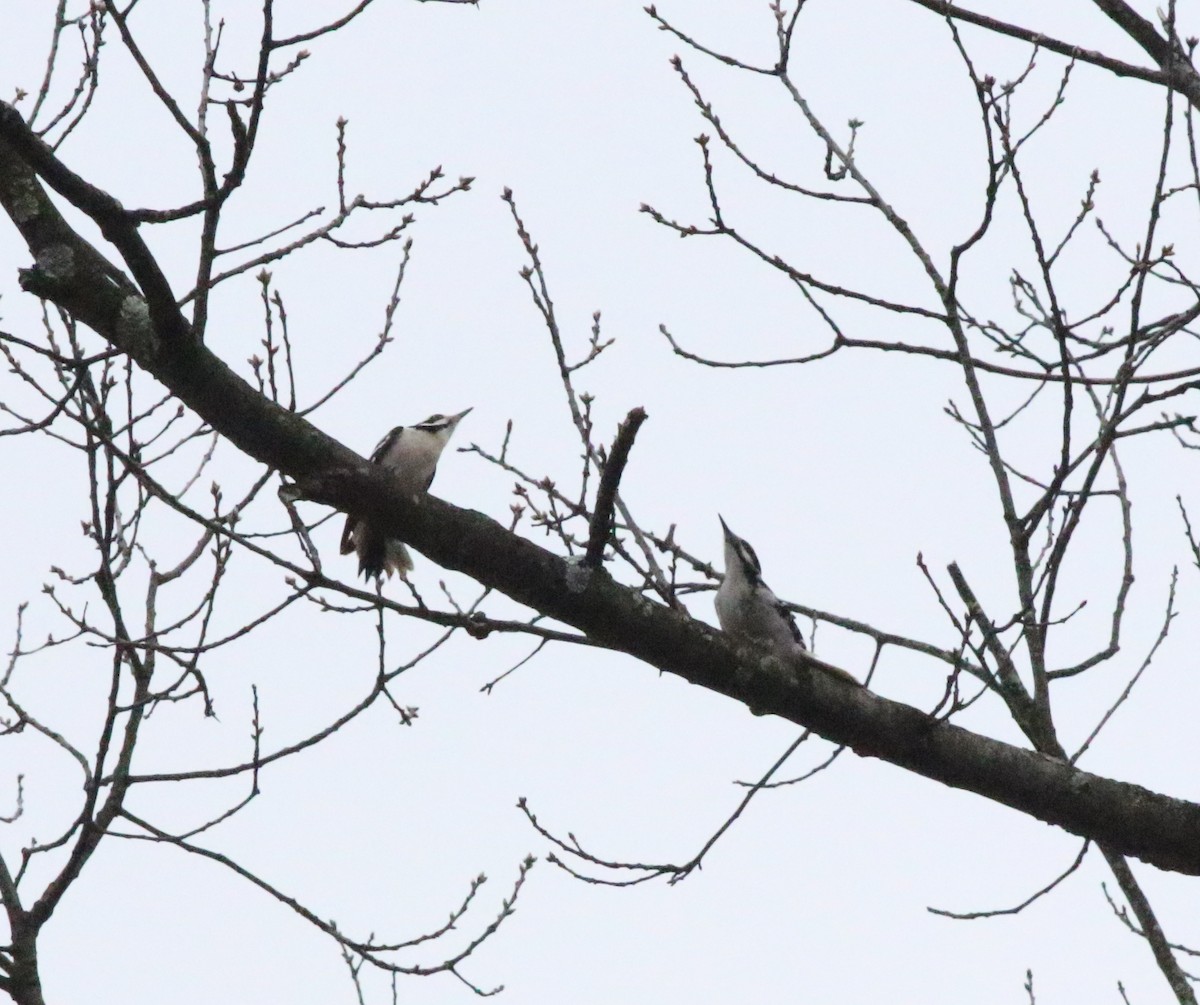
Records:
x=747, y=608
x=745, y=604
x=411, y=453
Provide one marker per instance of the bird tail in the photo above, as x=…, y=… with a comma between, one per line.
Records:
x=396, y=558
x=377, y=555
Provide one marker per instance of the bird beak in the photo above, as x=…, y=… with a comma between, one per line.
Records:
x=461, y=415
x=724, y=526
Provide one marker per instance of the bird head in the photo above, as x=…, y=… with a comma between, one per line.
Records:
x=739, y=555
x=443, y=424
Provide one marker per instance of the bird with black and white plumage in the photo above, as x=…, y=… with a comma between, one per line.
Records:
x=411, y=453
x=747, y=608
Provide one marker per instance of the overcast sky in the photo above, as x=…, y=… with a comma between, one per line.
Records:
x=840, y=473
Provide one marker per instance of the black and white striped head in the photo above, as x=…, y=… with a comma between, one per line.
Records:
x=438, y=423
x=400, y=448
x=740, y=557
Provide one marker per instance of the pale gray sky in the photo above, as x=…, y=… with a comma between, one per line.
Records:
x=840, y=473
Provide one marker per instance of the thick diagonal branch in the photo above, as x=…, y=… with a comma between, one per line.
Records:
x=1126, y=817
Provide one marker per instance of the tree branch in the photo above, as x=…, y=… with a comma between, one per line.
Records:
x=606, y=493
x=1125, y=817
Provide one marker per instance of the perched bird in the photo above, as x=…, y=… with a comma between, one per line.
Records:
x=411, y=453
x=745, y=604
x=747, y=608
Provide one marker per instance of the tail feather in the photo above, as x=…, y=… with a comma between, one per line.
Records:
x=377, y=555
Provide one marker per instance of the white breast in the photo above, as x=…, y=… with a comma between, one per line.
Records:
x=413, y=457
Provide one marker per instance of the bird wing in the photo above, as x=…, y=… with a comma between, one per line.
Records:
x=789, y=619
x=385, y=445
x=350, y=531
x=348, y=542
